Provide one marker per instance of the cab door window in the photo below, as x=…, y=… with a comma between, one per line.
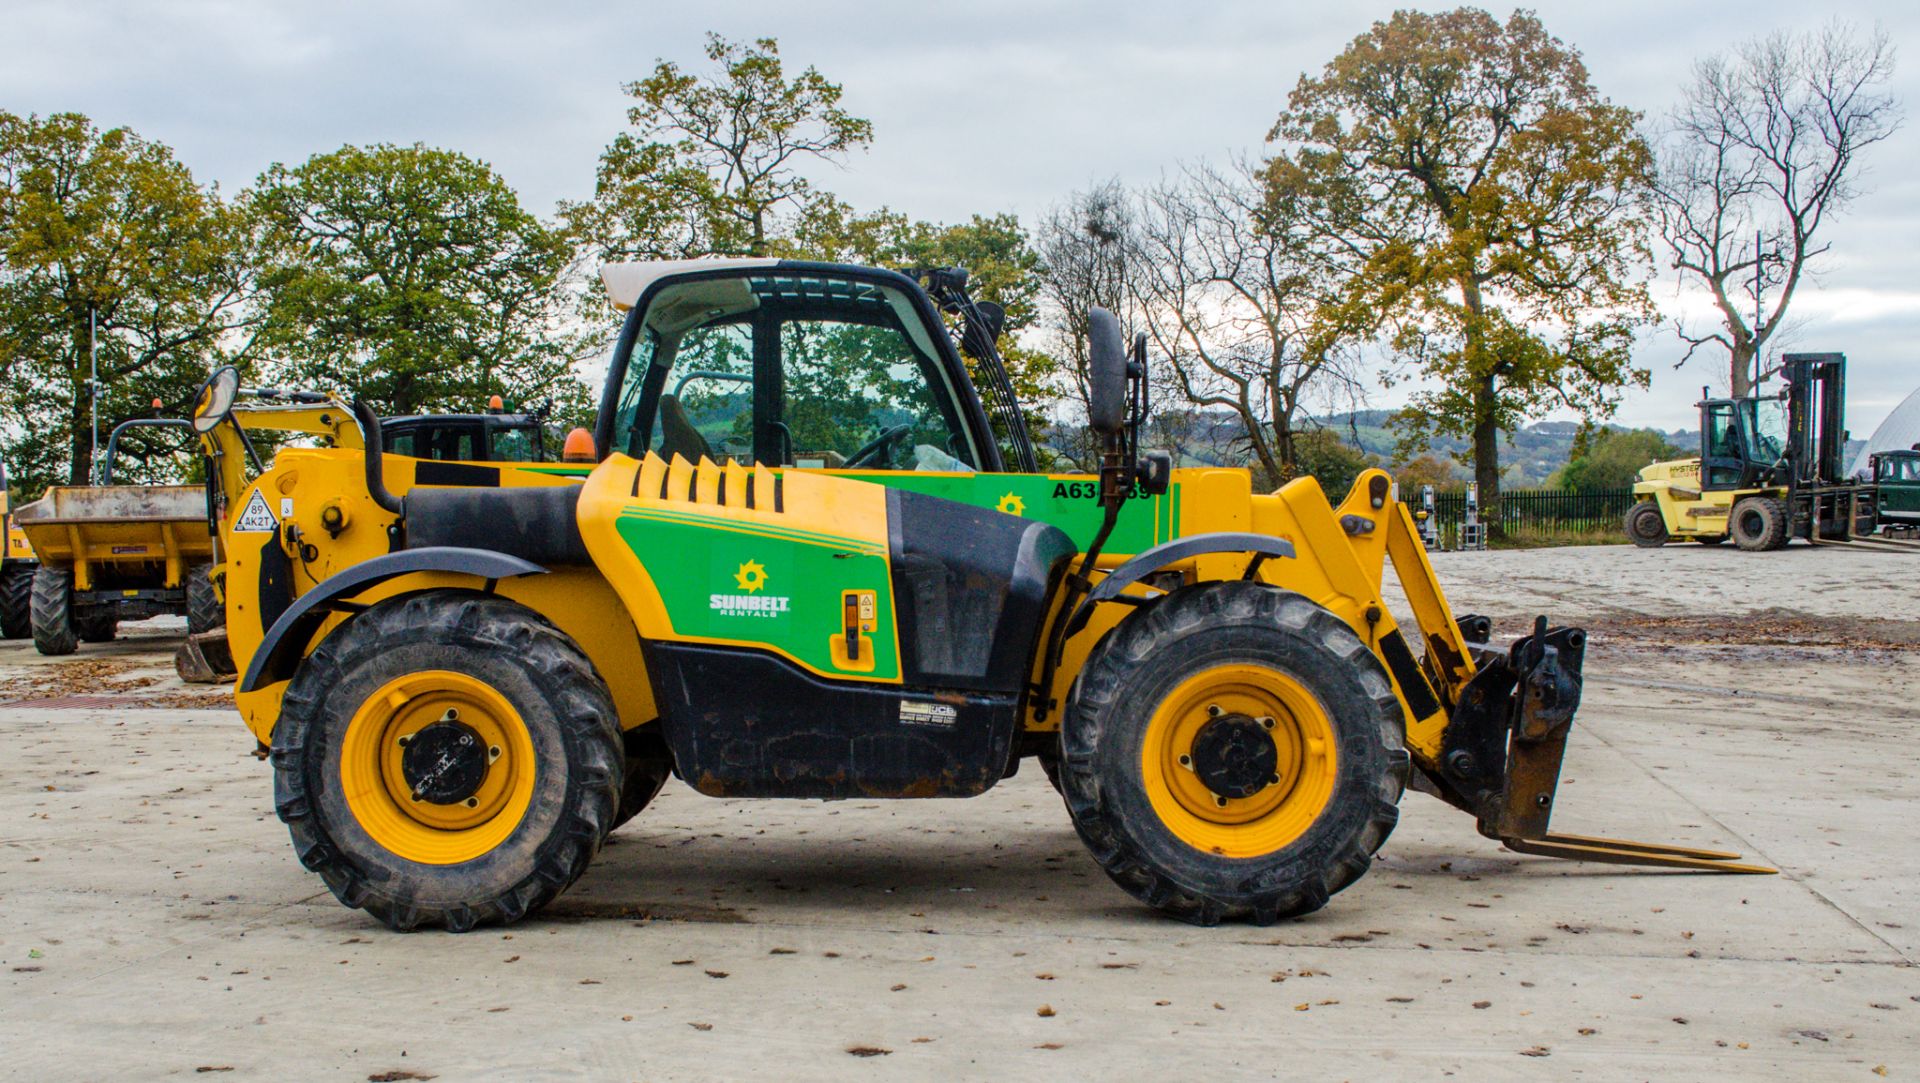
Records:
x=1725, y=465
x=860, y=395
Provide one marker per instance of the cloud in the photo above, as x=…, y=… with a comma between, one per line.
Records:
x=994, y=106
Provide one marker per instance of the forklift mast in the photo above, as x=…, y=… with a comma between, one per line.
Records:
x=1816, y=419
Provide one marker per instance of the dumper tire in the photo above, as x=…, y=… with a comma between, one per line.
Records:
x=556, y=718
x=1646, y=527
x=97, y=624
x=16, y=602
x=204, y=611
x=55, y=632
x=1277, y=639
x=1759, y=524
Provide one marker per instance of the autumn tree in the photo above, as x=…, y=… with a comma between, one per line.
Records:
x=412, y=276
x=1085, y=244
x=1763, y=149
x=1610, y=459
x=712, y=163
x=104, y=236
x=1486, y=193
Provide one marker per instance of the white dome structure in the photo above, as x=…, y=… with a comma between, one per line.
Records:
x=1900, y=431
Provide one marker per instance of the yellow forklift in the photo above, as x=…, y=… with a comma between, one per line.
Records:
x=1770, y=470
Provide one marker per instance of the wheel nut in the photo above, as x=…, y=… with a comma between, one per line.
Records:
x=473, y=802
x=1213, y=710
x=1186, y=761
x=403, y=741
x=493, y=753
x=1220, y=801
x=1267, y=722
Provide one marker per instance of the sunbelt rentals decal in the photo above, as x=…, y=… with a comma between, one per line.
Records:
x=751, y=601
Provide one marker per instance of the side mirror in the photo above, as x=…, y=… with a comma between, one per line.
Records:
x=1106, y=373
x=215, y=400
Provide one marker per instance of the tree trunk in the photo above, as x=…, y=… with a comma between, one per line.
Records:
x=80, y=467
x=1740, y=368
x=1486, y=450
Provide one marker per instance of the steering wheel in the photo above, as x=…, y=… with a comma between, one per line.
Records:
x=875, y=449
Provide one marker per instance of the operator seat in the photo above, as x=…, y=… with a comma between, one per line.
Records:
x=677, y=434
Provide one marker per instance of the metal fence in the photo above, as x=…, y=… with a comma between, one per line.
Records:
x=1532, y=515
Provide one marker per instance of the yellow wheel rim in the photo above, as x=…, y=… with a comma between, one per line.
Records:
x=1279, y=813
x=375, y=784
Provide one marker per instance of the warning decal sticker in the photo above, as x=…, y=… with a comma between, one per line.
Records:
x=257, y=518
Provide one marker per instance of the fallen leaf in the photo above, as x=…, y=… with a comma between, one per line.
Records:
x=896, y=987
x=702, y=1027
x=1680, y=1019
x=588, y=981
x=921, y=1041
x=1044, y=976
x=1301, y=1007
x=783, y=951
x=1045, y=1011
x=1483, y=1003
x=1057, y=1045
x=1399, y=1000
x=214, y=1068
x=1587, y=1031
x=716, y=973
x=396, y=1076
x=868, y=1051
x=513, y=958
x=683, y=962
x=1536, y=1051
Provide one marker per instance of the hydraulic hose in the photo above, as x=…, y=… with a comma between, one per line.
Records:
x=376, y=465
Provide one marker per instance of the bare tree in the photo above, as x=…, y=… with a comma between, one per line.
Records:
x=1764, y=147
x=1239, y=300
x=1084, y=244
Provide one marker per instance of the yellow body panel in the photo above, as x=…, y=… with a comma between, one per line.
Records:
x=1687, y=510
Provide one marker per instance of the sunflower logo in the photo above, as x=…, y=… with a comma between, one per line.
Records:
x=751, y=576
x=1013, y=505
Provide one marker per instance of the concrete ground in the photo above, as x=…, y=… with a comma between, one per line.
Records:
x=153, y=922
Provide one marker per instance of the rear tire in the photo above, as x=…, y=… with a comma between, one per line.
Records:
x=54, y=629
x=1646, y=527
x=204, y=611
x=1758, y=523
x=1212, y=653
x=643, y=779
x=546, y=724
x=16, y=602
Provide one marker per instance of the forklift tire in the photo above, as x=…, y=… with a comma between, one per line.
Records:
x=204, y=611
x=54, y=629
x=1175, y=706
x=1646, y=527
x=16, y=603
x=1759, y=523
x=521, y=768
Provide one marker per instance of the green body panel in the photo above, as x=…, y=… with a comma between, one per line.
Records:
x=1070, y=502
x=790, y=603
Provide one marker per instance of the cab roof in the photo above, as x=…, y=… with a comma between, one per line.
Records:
x=625, y=282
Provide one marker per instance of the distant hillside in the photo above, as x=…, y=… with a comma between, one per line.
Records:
x=1529, y=458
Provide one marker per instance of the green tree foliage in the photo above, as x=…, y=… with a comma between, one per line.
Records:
x=1611, y=459
x=1488, y=195
x=712, y=163
x=1334, y=463
x=107, y=225
x=412, y=277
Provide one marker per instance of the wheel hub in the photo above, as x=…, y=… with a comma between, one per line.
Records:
x=1235, y=756
x=444, y=763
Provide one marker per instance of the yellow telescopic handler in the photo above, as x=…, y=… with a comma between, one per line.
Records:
x=799, y=562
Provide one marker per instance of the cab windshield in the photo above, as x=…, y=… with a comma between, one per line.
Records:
x=1767, y=420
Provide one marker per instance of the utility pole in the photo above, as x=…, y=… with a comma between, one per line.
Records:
x=1758, y=356
x=93, y=394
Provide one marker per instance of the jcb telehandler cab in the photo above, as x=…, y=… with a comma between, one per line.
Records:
x=1769, y=470
x=466, y=687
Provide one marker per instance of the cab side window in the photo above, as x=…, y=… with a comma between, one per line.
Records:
x=860, y=396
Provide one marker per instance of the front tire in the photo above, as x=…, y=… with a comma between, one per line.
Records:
x=1759, y=523
x=1646, y=527
x=1165, y=776
x=55, y=632
x=16, y=602
x=518, y=771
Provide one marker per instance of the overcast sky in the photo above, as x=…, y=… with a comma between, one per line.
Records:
x=976, y=108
